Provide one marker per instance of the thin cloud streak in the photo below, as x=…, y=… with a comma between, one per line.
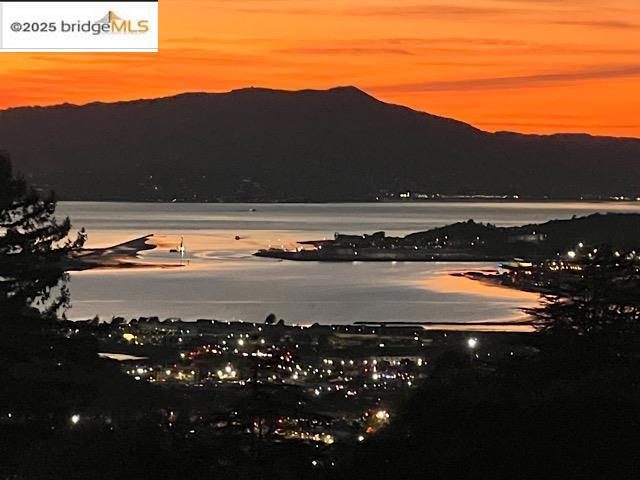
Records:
x=344, y=50
x=422, y=10
x=615, y=24
x=523, y=81
x=384, y=11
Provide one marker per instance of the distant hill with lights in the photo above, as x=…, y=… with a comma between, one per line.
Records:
x=621, y=230
x=472, y=241
x=269, y=145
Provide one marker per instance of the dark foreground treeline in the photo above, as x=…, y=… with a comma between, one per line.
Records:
x=123, y=430
x=569, y=413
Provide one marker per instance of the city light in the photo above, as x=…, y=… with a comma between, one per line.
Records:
x=382, y=415
x=472, y=342
x=325, y=379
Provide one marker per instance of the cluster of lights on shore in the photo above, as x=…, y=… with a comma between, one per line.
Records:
x=314, y=376
x=374, y=374
x=572, y=254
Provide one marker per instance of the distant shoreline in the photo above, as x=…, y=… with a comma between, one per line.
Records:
x=359, y=202
x=367, y=327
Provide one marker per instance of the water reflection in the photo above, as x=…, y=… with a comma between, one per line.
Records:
x=220, y=278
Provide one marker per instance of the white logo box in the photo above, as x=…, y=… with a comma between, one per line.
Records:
x=79, y=26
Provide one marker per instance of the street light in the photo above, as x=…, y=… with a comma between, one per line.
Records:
x=75, y=418
x=472, y=342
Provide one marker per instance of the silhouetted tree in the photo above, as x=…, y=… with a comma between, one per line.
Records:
x=33, y=246
x=602, y=299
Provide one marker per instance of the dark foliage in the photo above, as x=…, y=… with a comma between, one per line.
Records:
x=33, y=245
x=600, y=302
x=558, y=416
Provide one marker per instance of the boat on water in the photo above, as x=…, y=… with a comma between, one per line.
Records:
x=180, y=249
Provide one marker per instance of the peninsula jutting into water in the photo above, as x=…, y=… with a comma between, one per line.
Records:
x=472, y=241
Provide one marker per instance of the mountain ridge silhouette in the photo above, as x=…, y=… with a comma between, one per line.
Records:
x=260, y=144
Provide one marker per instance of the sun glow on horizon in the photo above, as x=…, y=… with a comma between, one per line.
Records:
x=529, y=66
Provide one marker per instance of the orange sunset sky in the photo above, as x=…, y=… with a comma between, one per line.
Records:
x=525, y=65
